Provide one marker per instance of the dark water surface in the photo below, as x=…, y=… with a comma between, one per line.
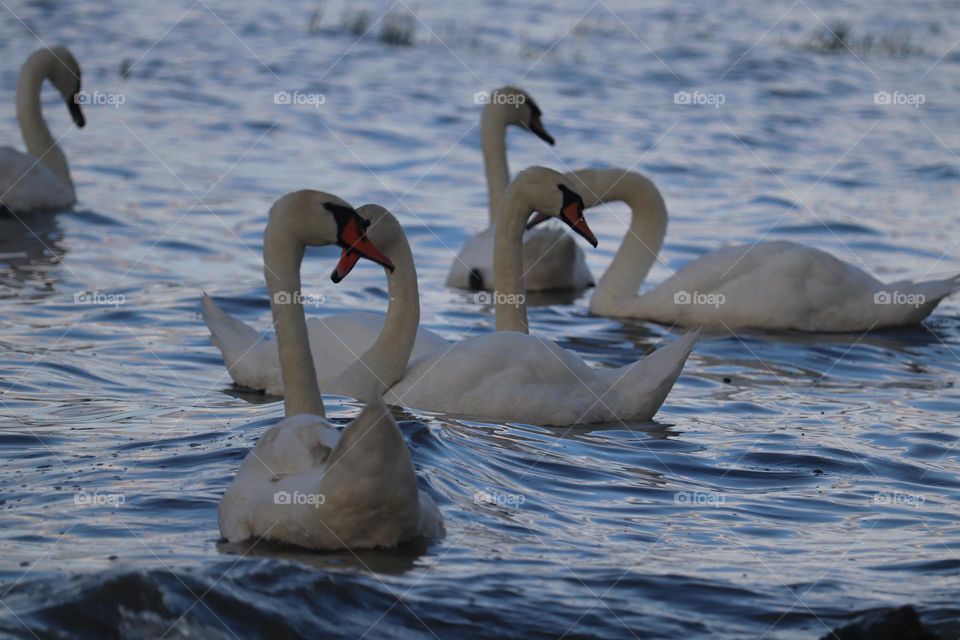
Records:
x=788, y=483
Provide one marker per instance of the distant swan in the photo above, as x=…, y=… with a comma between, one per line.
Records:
x=765, y=285
x=306, y=483
x=39, y=180
x=551, y=257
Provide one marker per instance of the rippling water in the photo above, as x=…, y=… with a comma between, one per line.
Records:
x=789, y=482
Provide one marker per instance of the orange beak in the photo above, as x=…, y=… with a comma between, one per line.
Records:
x=572, y=215
x=537, y=128
x=356, y=245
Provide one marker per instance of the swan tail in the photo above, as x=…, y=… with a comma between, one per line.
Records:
x=937, y=290
x=236, y=342
x=920, y=300
x=650, y=379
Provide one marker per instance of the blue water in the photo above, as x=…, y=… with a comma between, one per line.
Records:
x=790, y=481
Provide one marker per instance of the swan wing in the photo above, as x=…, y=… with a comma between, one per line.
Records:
x=780, y=285
x=345, y=336
x=26, y=184
x=289, y=457
x=552, y=259
x=251, y=358
x=336, y=341
x=519, y=377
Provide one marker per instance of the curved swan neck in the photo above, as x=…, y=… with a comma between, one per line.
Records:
x=282, y=256
x=36, y=135
x=493, y=141
x=648, y=226
x=509, y=291
x=387, y=358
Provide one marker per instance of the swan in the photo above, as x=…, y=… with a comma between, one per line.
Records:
x=553, y=259
x=512, y=376
x=306, y=483
x=765, y=285
x=338, y=340
x=39, y=180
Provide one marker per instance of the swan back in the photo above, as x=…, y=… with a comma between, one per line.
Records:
x=304, y=483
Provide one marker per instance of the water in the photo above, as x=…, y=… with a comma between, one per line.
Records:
x=788, y=483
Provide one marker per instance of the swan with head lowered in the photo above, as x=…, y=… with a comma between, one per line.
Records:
x=338, y=340
x=511, y=375
x=305, y=482
x=553, y=259
x=39, y=180
x=766, y=285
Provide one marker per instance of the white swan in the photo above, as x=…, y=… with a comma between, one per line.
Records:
x=513, y=376
x=39, y=180
x=552, y=258
x=305, y=482
x=338, y=340
x=767, y=285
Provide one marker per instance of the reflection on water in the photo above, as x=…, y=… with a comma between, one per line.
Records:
x=30, y=255
x=790, y=480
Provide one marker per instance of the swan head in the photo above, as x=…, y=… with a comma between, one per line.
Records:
x=551, y=195
x=314, y=218
x=385, y=230
x=352, y=239
x=63, y=72
x=516, y=107
x=381, y=233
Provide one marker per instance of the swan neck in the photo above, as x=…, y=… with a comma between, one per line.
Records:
x=387, y=358
x=36, y=135
x=509, y=292
x=282, y=257
x=642, y=243
x=493, y=140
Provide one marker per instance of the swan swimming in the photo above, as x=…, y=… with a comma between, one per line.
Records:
x=511, y=375
x=554, y=261
x=39, y=180
x=305, y=482
x=764, y=285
